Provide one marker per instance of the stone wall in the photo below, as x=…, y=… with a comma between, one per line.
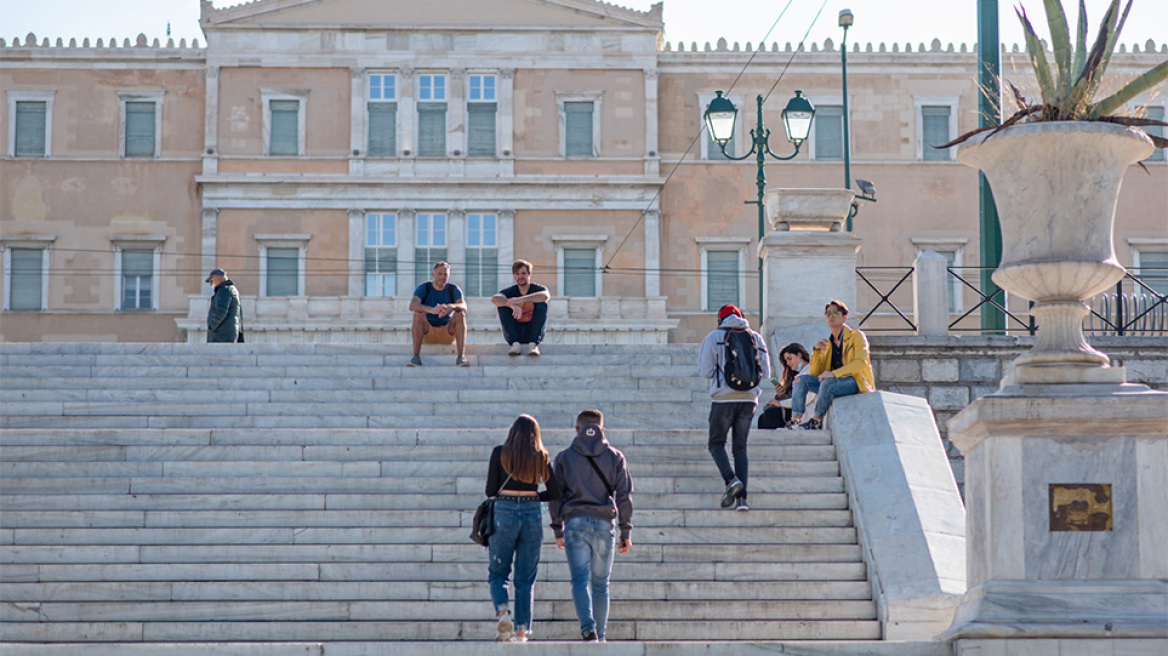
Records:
x=952, y=372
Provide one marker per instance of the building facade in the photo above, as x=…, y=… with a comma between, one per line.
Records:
x=326, y=154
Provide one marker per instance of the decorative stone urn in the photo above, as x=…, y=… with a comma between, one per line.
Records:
x=1056, y=185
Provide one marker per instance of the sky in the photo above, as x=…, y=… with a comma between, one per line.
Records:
x=876, y=21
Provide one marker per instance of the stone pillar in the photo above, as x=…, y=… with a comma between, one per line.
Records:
x=456, y=246
x=652, y=160
x=506, y=241
x=1066, y=490
x=807, y=261
x=652, y=252
x=456, y=93
x=931, y=294
x=405, y=252
x=506, y=113
x=357, y=115
x=211, y=123
x=356, y=252
x=210, y=241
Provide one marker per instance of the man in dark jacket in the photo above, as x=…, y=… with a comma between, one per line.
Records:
x=223, y=315
x=595, y=491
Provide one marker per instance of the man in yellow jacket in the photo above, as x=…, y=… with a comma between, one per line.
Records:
x=840, y=366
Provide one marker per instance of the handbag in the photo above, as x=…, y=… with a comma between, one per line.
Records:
x=483, y=524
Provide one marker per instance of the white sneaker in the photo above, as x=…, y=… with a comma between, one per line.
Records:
x=516, y=349
x=505, y=627
x=533, y=350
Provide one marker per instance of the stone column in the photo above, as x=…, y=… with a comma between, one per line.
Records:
x=357, y=117
x=405, y=252
x=506, y=100
x=456, y=113
x=456, y=245
x=652, y=252
x=356, y=252
x=652, y=161
x=1066, y=490
x=807, y=261
x=211, y=123
x=210, y=241
x=931, y=294
x=407, y=122
x=506, y=241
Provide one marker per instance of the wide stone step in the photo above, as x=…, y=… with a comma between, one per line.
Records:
x=423, y=611
x=567, y=370
x=348, y=630
x=15, y=385
x=16, y=400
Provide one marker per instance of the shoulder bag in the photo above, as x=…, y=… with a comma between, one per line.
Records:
x=483, y=524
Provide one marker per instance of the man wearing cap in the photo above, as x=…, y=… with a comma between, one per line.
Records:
x=732, y=410
x=223, y=315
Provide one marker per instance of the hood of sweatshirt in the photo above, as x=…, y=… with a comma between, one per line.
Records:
x=734, y=322
x=590, y=441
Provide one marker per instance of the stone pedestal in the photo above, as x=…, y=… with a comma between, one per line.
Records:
x=807, y=262
x=1066, y=492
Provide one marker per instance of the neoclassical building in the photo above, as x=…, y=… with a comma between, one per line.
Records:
x=327, y=152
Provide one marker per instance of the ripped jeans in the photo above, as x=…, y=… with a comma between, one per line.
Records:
x=517, y=538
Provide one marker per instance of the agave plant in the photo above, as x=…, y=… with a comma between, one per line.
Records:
x=1068, y=90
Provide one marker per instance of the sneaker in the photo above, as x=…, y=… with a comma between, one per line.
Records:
x=533, y=350
x=504, y=627
x=732, y=489
x=462, y=361
x=812, y=424
x=519, y=637
x=515, y=349
x=591, y=637
x=740, y=505
x=415, y=361
x=792, y=424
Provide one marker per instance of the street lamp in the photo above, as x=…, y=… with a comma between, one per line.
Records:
x=845, y=21
x=797, y=116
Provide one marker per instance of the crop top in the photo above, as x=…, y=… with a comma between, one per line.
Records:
x=496, y=476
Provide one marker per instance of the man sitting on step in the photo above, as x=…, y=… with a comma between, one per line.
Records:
x=523, y=309
x=840, y=366
x=439, y=303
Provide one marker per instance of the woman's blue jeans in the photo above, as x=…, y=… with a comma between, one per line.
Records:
x=517, y=538
x=591, y=545
x=827, y=389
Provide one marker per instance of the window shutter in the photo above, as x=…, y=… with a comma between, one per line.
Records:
x=1154, y=270
x=481, y=271
x=934, y=132
x=721, y=279
x=829, y=132
x=579, y=272
x=382, y=129
x=1156, y=114
x=431, y=129
x=424, y=261
x=285, y=128
x=30, y=134
x=578, y=129
x=283, y=271
x=481, y=129
x=140, y=129
x=27, y=278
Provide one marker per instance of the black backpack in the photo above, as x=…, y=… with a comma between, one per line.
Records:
x=743, y=369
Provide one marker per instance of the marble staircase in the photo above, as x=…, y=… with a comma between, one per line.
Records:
x=251, y=496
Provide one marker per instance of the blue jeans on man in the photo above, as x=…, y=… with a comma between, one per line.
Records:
x=518, y=332
x=517, y=537
x=733, y=418
x=590, y=544
x=828, y=391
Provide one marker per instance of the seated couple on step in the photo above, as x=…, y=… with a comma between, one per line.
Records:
x=838, y=366
x=439, y=303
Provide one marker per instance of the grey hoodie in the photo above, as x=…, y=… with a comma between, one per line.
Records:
x=582, y=493
x=712, y=359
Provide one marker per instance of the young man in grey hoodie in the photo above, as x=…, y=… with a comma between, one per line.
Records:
x=732, y=410
x=595, y=491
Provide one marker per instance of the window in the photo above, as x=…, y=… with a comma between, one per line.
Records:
x=1152, y=268
x=934, y=132
x=141, y=113
x=282, y=264
x=284, y=122
x=481, y=109
x=430, y=245
x=382, y=121
x=431, y=115
x=482, y=255
x=721, y=269
x=829, y=132
x=1156, y=113
x=136, y=279
x=380, y=254
x=578, y=133
x=30, y=123
x=714, y=152
x=25, y=278
x=580, y=272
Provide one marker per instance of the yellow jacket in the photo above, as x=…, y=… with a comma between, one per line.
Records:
x=857, y=362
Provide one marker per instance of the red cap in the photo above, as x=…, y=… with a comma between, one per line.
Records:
x=728, y=310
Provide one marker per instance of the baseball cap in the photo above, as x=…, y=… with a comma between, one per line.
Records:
x=215, y=272
x=728, y=310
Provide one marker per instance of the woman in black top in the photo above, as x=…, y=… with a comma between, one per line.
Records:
x=516, y=470
x=794, y=360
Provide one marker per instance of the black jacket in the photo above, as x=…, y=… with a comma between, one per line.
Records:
x=223, y=315
x=582, y=493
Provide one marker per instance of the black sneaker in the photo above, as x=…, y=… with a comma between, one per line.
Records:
x=732, y=489
x=813, y=424
x=792, y=424
x=591, y=637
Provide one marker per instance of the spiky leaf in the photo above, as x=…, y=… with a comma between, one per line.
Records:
x=1046, y=85
x=1130, y=91
x=1060, y=41
x=1080, y=42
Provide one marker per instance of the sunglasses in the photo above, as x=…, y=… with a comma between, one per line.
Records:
x=833, y=313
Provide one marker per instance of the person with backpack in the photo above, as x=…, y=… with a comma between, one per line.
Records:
x=735, y=359
x=438, y=303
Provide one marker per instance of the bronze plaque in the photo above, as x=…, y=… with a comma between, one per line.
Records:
x=1080, y=506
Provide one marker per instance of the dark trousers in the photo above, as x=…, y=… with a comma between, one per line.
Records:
x=524, y=333
x=773, y=418
x=733, y=418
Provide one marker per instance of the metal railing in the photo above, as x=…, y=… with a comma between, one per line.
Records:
x=866, y=274
x=998, y=300
x=1142, y=312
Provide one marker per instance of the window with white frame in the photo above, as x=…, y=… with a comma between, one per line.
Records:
x=953, y=252
x=1156, y=113
x=380, y=254
x=141, y=117
x=579, y=123
x=429, y=244
x=482, y=254
x=282, y=264
x=136, y=271
x=431, y=101
x=578, y=264
x=381, y=107
x=481, y=110
x=26, y=275
x=829, y=132
x=284, y=122
x=30, y=123
x=936, y=125
x=1151, y=266
x=723, y=270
